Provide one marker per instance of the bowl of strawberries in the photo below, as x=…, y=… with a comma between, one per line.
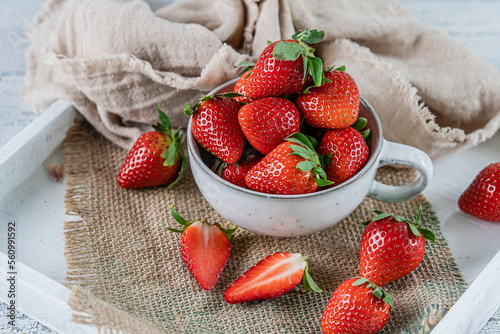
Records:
x=290, y=148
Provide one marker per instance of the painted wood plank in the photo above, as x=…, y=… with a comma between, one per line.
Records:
x=41, y=298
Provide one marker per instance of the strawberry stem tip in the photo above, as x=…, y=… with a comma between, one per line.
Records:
x=413, y=225
x=229, y=232
x=175, y=149
x=377, y=291
x=313, y=161
x=290, y=51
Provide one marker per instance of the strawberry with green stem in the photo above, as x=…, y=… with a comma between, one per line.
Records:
x=205, y=248
x=155, y=159
x=349, y=151
x=285, y=67
x=215, y=126
x=356, y=306
x=333, y=105
x=392, y=247
x=293, y=167
x=270, y=278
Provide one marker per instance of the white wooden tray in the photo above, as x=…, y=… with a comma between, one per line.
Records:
x=29, y=198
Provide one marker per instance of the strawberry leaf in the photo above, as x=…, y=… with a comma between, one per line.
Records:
x=287, y=51
x=428, y=234
x=178, y=218
x=183, y=162
x=309, y=36
x=367, y=134
x=341, y=68
x=360, y=123
x=316, y=70
x=188, y=110
x=381, y=216
x=308, y=281
x=302, y=139
x=169, y=155
x=323, y=183
x=247, y=66
x=313, y=141
x=414, y=229
x=306, y=166
x=320, y=172
x=228, y=231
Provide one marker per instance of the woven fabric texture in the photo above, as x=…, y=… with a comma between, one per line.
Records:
x=127, y=274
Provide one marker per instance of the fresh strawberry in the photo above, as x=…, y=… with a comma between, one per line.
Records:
x=155, y=159
x=333, y=105
x=205, y=248
x=268, y=121
x=356, y=306
x=270, y=278
x=349, y=152
x=391, y=247
x=235, y=173
x=240, y=88
x=293, y=167
x=482, y=198
x=286, y=67
x=215, y=126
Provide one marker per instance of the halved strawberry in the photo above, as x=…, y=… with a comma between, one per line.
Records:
x=270, y=278
x=205, y=248
x=215, y=126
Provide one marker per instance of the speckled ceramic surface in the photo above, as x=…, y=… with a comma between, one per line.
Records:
x=293, y=215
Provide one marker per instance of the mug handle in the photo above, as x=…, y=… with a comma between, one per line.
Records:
x=399, y=154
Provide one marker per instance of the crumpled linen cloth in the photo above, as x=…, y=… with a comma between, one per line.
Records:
x=116, y=60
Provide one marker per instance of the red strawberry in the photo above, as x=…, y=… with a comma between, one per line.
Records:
x=215, y=126
x=348, y=150
x=293, y=167
x=333, y=105
x=482, y=198
x=270, y=278
x=356, y=306
x=281, y=69
x=205, y=249
x=235, y=173
x=268, y=121
x=391, y=247
x=240, y=88
x=155, y=159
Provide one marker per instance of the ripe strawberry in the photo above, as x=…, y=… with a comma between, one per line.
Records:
x=284, y=67
x=268, y=121
x=205, y=248
x=391, y=247
x=356, y=306
x=293, y=167
x=215, y=126
x=240, y=88
x=333, y=105
x=482, y=198
x=349, y=153
x=270, y=278
x=155, y=159
x=235, y=173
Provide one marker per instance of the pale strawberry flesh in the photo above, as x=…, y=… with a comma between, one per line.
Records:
x=272, y=277
x=205, y=250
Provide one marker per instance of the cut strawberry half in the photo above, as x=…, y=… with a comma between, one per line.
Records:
x=205, y=248
x=270, y=278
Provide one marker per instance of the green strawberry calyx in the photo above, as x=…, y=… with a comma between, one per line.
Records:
x=290, y=51
x=307, y=279
x=376, y=290
x=359, y=125
x=174, y=150
x=190, y=110
x=413, y=225
x=186, y=223
x=246, y=67
x=313, y=161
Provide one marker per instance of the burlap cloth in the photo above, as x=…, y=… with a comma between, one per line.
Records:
x=116, y=61
x=127, y=274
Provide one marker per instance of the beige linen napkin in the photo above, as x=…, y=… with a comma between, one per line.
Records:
x=116, y=60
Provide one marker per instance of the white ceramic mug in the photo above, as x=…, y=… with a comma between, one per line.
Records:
x=294, y=215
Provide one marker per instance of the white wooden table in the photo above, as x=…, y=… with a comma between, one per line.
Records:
x=37, y=204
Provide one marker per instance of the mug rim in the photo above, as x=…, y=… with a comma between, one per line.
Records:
x=194, y=152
